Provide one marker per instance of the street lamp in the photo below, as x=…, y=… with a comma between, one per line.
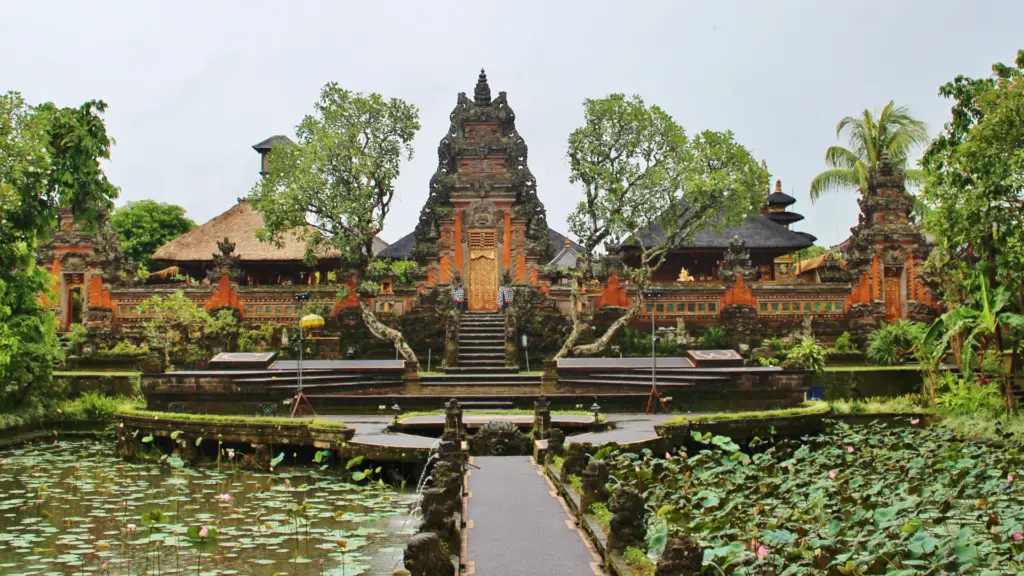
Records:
x=397, y=410
x=596, y=409
x=312, y=322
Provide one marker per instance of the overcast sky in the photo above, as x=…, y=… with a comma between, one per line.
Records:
x=193, y=85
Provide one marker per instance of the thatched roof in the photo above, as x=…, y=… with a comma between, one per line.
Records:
x=238, y=224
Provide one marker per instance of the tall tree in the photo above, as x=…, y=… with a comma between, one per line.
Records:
x=975, y=191
x=893, y=130
x=49, y=157
x=335, y=185
x=646, y=183
x=145, y=225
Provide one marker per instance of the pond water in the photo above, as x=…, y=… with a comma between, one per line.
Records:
x=72, y=507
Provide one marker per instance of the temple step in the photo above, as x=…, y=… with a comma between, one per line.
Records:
x=495, y=355
x=637, y=383
x=500, y=348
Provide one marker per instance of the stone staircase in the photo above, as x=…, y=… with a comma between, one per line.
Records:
x=481, y=355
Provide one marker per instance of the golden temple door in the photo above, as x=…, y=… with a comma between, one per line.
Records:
x=483, y=270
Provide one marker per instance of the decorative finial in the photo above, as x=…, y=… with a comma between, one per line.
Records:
x=778, y=185
x=482, y=92
x=567, y=243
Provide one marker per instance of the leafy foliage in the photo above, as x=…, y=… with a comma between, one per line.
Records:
x=145, y=225
x=965, y=396
x=49, y=157
x=807, y=355
x=891, y=343
x=892, y=131
x=856, y=500
x=714, y=338
x=639, y=172
x=844, y=344
x=334, y=186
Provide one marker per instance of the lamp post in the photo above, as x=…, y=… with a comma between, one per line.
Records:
x=312, y=322
x=596, y=409
x=397, y=410
x=526, y=342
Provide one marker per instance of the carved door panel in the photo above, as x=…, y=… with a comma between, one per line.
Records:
x=892, y=293
x=483, y=270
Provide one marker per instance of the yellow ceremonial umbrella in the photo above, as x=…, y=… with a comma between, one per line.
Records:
x=312, y=322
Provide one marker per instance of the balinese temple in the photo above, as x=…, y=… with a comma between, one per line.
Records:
x=484, y=217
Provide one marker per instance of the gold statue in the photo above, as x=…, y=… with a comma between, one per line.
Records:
x=684, y=276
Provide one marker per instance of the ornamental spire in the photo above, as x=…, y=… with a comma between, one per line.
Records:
x=482, y=92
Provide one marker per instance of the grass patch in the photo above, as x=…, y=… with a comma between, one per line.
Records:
x=806, y=409
x=556, y=464
x=909, y=404
x=1008, y=429
x=600, y=512
x=230, y=419
x=91, y=406
x=897, y=368
x=576, y=483
x=94, y=373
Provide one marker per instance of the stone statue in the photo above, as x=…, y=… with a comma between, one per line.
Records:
x=556, y=442
x=682, y=557
x=575, y=461
x=425, y=556
x=629, y=519
x=595, y=480
x=497, y=438
x=453, y=421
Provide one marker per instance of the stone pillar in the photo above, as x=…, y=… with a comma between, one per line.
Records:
x=453, y=422
x=575, y=461
x=541, y=418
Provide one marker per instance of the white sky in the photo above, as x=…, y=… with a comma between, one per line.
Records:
x=193, y=85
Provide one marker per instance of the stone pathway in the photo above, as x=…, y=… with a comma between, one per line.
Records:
x=518, y=526
x=628, y=428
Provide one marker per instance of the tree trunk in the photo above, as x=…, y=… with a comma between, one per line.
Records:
x=383, y=332
x=606, y=338
x=574, y=315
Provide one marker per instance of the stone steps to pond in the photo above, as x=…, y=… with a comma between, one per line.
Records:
x=518, y=526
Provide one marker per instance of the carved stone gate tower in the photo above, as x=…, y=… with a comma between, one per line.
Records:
x=482, y=217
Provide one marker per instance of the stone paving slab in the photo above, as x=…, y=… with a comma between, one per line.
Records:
x=519, y=527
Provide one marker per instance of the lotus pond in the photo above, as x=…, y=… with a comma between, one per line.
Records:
x=72, y=507
x=868, y=499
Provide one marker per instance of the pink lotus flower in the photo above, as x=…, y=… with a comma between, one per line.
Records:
x=204, y=532
x=637, y=467
x=59, y=411
x=231, y=453
x=4, y=461
x=762, y=551
x=121, y=425
x=849, y=449
x=1017, y=537
x=832, y=474
x=1009, y=478
x=789, y=467
x=224, y=497
x=915, y=421
x=668, y=456
x=131, y=528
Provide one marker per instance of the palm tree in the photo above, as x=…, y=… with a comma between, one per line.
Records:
x=893, y=131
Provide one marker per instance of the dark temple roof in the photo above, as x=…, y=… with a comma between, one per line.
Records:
x=756, y=231
x=402, y=248
x=271, y=142
x=780, y=198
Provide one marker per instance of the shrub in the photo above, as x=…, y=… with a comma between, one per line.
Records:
x=844, y=344
x=77, y=336
x=891, y=343
x=714, y=338
x=93, y=406
x=965, y=396
x=807, y=355
x=124, y=348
